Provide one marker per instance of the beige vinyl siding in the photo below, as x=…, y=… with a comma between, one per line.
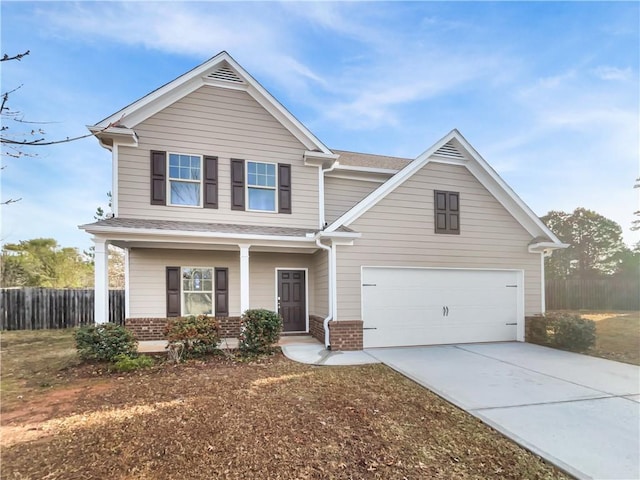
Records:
x=262, y=274
x=147, y=277
x=399, y=231
x=321, y=283
x=341, y=194
x=223, y=123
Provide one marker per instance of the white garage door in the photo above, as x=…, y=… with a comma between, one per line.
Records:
x=422, y=306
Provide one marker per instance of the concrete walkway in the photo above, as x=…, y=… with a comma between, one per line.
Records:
x=579, y=412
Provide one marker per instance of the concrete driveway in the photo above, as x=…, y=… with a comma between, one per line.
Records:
x=580, y=413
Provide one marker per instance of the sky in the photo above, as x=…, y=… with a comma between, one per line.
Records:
x=547, y=92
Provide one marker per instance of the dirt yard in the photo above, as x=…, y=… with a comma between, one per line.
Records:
x=268, y=419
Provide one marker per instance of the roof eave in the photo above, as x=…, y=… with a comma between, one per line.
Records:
x=106, y=230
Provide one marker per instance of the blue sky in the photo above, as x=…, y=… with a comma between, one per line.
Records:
x=547, y=92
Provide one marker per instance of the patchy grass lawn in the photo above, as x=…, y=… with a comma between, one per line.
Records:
x=617, y=335
x=226, y=419
x=32, y=361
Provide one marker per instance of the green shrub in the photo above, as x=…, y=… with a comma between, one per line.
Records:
x=572, y=332
x=537, y=330
x=125, y=363
x=197, y=335
x=259, y=331
x=104, y=342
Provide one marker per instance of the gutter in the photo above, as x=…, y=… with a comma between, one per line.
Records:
x=325, y=322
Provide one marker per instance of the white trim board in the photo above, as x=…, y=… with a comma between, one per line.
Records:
x=169, y=93
x=477, y=166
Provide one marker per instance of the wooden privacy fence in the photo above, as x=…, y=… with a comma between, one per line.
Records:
x=603, y=293
x=38, y=308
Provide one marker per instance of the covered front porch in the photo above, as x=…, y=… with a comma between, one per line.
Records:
x=219, y=270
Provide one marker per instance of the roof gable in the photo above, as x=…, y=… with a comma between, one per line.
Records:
x=220, y=71
x=454, y=148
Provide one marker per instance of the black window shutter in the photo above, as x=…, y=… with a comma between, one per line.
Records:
x=237, y=184
x=454, y=212
x=447, y=212
x=222, y=292
x=210, y=184
x=284, y=188
x=173, y=292
x=158, y=177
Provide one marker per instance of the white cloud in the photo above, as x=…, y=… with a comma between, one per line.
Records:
x=613, y=73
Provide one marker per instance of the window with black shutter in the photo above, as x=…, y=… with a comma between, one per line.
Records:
x=447, y=212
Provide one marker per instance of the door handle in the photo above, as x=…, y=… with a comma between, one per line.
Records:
x=447, y=311
x=444, y=311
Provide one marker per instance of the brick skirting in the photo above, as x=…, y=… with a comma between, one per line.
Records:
x=146, y=328
x=316, y=327
x=346, y=335
x=153, y=328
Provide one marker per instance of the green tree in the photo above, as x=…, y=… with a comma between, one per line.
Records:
x=596, y=244
x=41, y=262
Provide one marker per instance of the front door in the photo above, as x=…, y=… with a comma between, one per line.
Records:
x=292, y=303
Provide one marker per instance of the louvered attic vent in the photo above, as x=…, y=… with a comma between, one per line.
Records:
x=448, y=150
x=226, y=74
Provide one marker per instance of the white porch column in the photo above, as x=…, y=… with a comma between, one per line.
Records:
x=101, y=283
x=126, y=283
x=244, y=278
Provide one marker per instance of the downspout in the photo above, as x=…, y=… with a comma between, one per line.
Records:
x=325, y=322
x=321, y=191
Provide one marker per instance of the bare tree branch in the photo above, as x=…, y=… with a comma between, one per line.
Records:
x=18, y=57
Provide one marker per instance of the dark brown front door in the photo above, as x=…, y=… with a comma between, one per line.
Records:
x=292, y=304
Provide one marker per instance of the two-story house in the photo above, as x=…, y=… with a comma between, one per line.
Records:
x=224, y=201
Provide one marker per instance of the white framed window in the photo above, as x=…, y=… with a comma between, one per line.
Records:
x=185, y=179
x=261, y=186
x=197, y=291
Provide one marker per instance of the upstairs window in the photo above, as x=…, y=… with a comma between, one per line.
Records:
x=261, y=186
x=447, y=212
x=185, y=179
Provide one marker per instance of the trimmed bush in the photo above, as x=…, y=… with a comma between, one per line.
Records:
x=104, y=342
x=125, y=363
x=572, y=332
x=536, y=330
x=193, y=336
x=562, y=330
x=259, y=331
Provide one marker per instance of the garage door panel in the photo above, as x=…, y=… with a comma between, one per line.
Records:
x=415, y=306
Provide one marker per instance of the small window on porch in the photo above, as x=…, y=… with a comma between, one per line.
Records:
x=197, y=291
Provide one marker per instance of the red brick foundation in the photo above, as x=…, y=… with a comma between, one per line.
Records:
x=153, y=328
x=229, y=327
x=146, y=328
x=346, y=335
x=316, y=327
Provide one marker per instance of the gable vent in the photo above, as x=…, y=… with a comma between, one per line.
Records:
x=448, y=150
x=226, y=74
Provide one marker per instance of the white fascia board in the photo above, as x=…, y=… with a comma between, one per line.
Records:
x=340, y=234
x=110, y=135
x=542, y=246
x=352, y=168
x=180, y=87
x=505, y=192
x=389, y=186
x=150, y=233
x=478, y=167
x=319, y=159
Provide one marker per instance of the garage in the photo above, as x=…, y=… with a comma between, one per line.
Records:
x=429, y=306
